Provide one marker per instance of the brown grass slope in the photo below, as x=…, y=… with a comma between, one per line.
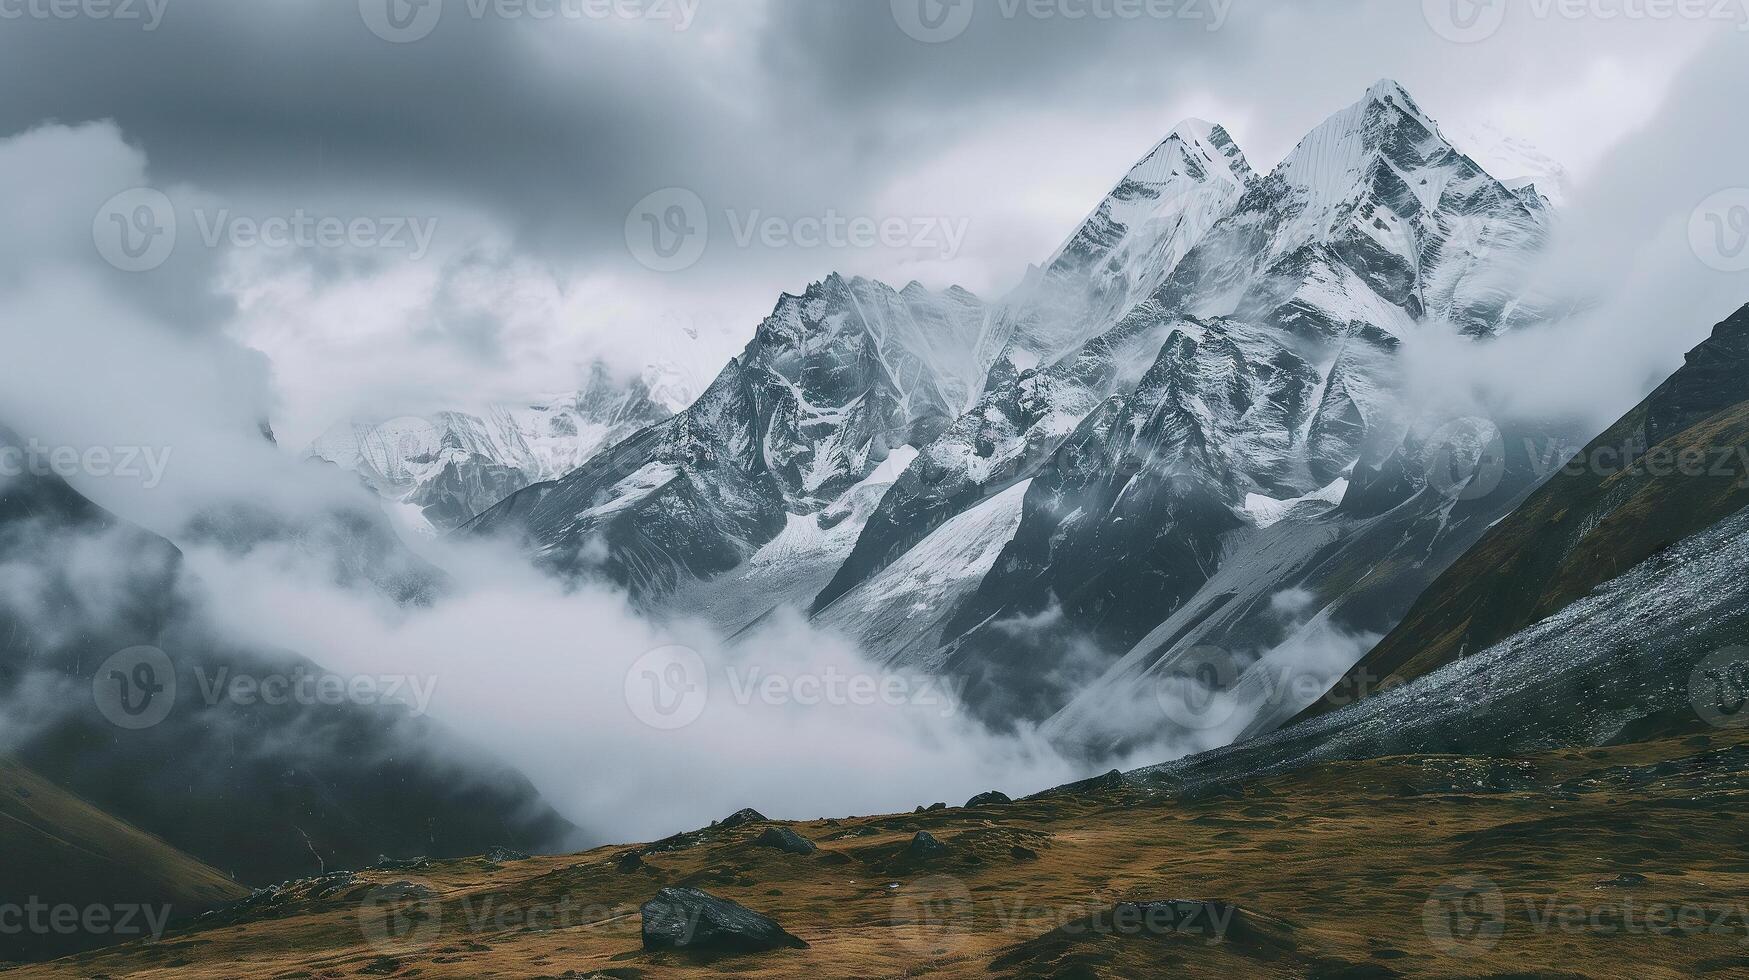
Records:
x=60, y=849
x=1340, y=871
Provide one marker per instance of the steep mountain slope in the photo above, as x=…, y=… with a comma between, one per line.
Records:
x=1261, y=373
x=1062, y=346
x=449, y=467
x=1203, y=378
x=833, y=383
x=1673, y=466
x=264, y=791
x=62, y=850
x=1121, y=252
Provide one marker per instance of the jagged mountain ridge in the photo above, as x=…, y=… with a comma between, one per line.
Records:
x=1317, y=275
x=1608, y=609
x=1206, y=369
x=832, y=383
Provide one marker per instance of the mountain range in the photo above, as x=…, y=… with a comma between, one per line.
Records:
x=1186, y=431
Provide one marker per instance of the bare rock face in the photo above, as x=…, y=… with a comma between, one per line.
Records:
x=689, y=919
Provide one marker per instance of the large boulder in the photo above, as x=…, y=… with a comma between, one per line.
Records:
x=786, y=840
x=688, y=919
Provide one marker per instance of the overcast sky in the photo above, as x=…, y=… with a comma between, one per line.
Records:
x=526, y=147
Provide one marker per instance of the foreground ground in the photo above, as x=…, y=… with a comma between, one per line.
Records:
x=1622, y=862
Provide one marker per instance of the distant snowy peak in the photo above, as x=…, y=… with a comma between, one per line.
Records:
x=446, y=467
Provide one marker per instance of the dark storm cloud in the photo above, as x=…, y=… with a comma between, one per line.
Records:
x=546, y=123
x=859, y=56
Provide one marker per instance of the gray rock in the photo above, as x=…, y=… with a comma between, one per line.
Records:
x=741, y=818
x=924, y=847
x=991, y=798
x=786, y=840
x=689, y=919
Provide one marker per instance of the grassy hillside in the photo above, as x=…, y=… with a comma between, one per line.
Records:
x=61, y=850
x=1419, y=866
